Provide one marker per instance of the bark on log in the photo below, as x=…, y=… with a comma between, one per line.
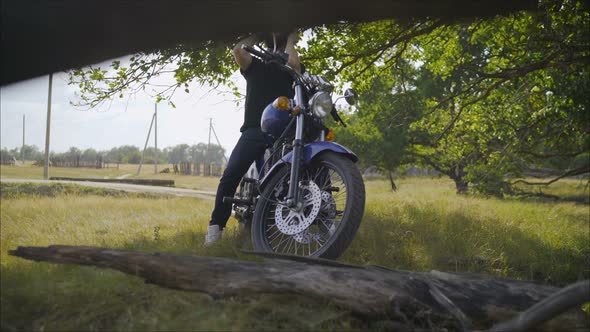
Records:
x=429, y=300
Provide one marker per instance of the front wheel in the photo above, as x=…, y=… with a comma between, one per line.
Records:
x=332, y=194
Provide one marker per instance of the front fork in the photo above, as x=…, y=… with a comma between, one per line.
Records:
x=293, y=194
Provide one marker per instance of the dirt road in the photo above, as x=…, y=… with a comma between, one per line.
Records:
x=126, y=187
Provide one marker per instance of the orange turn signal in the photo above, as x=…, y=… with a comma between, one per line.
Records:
x=330, y=135
x=281, y=103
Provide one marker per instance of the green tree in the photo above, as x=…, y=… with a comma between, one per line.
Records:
x=73, y=153
x=89, y=155
x=115, y=155
x=214, y=154
x=31, y=152
x=379, y=131
x=178, y=153
x=131, y=154
x=151, y=153
x=209, y=63
x=494, y=99
x=197, y=152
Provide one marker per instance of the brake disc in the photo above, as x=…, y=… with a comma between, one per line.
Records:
x=328, y=209
x=291, y=222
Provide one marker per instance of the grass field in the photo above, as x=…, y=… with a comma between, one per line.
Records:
x=421, y=227
x=29, y=171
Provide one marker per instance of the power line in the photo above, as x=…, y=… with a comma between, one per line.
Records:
x=23, y=147
x=156, y=138
x=146, y=143
x=218, y=143
x=46, y=166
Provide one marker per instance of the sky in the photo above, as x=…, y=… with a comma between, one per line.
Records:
x=123, y=122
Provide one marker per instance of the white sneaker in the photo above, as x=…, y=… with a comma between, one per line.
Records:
x=213, y=234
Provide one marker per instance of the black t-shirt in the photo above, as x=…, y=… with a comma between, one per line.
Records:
x=264, y=83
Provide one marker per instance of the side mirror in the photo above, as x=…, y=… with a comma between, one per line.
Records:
x=351, y=96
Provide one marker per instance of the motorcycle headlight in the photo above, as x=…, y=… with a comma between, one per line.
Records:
x=321, y=104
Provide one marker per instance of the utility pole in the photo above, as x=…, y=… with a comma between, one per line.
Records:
x=46, y=166
x=156, y=139
x=209, y=141
x=217, y=139
x=146, y=143
x=22, y=150
x=208, y=159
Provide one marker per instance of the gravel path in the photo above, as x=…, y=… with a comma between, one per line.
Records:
x=127, y=187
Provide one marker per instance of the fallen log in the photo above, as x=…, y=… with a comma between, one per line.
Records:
x=146, y=182
x=418, y=300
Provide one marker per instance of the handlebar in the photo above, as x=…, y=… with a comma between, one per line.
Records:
x=276, y=58
x=266, y=56
x=254, y=51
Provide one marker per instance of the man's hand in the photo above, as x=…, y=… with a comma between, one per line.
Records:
x=243, y=58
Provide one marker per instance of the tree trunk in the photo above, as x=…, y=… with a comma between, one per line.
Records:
x=458, y=175
x=461, y=185
x=418, y=300
x=390, y=176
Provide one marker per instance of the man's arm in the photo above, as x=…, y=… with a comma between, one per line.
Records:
x=293, y=55
x=243, y=58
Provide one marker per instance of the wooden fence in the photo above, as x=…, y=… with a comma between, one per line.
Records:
x=8, y=161
x=196, y=169
x=75, y=163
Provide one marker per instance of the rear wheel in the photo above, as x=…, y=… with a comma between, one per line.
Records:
x=333, y=197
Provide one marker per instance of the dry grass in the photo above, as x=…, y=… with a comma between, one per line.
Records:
x=427, y=226
x=28, y=171
x=421, y=227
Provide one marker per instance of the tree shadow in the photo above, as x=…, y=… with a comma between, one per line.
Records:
x=456, y=242
x=61, y=297
x=535, y=197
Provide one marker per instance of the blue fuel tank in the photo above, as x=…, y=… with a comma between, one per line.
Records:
x=275, y=120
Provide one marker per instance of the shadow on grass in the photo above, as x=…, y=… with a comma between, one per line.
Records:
x=455, y=242
x=536, y=197
x=41, y=296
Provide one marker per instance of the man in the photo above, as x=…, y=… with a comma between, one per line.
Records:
x=265, y=82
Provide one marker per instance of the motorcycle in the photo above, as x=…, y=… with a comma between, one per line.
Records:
x=305, y=197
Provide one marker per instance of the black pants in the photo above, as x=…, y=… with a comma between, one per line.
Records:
x=249, y=148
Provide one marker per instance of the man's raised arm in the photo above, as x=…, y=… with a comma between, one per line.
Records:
x=293, y=55
x=243, y=58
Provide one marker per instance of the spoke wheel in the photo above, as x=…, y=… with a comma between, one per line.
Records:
x=333, y=198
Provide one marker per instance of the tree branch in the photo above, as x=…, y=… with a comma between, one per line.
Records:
x=399, y=38
x=483, y=96
x=578, y=171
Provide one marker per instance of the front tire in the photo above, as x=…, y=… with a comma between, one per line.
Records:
x=333, y=196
